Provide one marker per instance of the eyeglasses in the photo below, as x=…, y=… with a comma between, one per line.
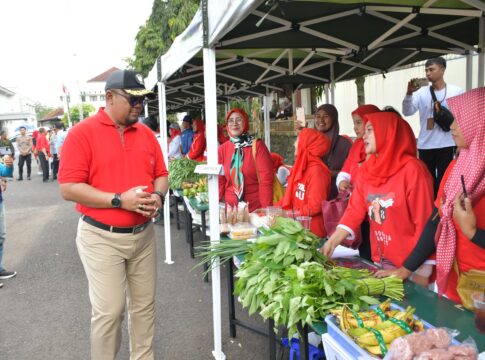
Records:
x=235, y=121
x=132, y=100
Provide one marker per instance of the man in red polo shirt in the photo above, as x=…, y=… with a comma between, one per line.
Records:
x=43, y=152
x=113, y=168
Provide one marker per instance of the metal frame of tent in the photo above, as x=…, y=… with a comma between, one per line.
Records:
x=231, y=44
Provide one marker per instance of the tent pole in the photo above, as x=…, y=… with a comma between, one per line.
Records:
x=469, y=71
x=162, y=106
x=481, y=55
x=332, y=84
x=146, y=109
x=266, y=105
x=327, y=95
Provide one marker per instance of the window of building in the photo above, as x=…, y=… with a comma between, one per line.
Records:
x=102, y=97
x=93, y=98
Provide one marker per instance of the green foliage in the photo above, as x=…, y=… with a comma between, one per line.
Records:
x=88, y=109
x=167, y=20
x=41, y=110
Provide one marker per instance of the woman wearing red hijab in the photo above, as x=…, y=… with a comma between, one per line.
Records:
x=309, y=180
x=394, y=188
x=198, y=146
x=246, y=177
x=348, y=175
x=458, y=232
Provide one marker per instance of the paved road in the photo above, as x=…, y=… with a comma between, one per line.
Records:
x=45, y=311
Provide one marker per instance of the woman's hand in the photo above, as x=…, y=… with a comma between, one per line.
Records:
x=401, y=273
x=464, y=216
x=337, y=237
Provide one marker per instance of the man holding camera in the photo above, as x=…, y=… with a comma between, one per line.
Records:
x=6, y=170
x=435, y=146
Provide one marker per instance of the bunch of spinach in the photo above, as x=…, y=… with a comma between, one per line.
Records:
x=182, y=170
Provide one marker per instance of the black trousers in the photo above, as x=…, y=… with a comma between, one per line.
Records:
x=27, y=159
x=55, y=166
x=44, y=163
x=437, y=160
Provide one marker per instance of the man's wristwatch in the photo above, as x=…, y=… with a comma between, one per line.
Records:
x=116, y=201
x=162, y=197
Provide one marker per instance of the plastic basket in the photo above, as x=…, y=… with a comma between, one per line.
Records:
x=347, y=346
x=314, y=353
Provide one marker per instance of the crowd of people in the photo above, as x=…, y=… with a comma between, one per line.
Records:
x=417, y=205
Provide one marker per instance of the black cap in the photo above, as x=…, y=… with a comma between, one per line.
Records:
x=129, y=81
x=188, y=118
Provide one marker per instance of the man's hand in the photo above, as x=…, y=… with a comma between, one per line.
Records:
x=139, y=201
x=412, y=87
x=464, y=216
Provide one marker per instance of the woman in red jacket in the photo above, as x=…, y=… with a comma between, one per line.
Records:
x=246, y=177
x=394, y=188
x=348, y=175
x=198, y=146
x=309, y=180
x=459, y=231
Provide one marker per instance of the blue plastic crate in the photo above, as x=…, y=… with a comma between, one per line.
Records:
x=349, y=346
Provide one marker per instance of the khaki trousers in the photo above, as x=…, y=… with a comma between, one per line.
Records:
x=119, y=267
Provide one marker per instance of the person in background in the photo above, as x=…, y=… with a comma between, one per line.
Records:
x=435, y=146
x=6, y=144
x=24, y=144
x=326, y=121
x=221, y=135
x=348, y=175
x=197, y=149
x=187, y=134
x=6, y=170
x=309, y=180
x=458, y=233
x=393, y=188
x=42, y=148
x=60, y=137
x=174, y=142
x=118, y=192
x=274, y=110
x=246, y=177
x=53, y=152
x=281, y=170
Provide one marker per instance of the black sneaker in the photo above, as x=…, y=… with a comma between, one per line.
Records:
x=29, y=178
x=20, y=178
x=7, y=274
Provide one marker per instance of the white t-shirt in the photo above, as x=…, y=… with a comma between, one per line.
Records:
x=175, y=148
x=422, y=101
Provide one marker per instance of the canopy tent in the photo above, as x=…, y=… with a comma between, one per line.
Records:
x=302, y=43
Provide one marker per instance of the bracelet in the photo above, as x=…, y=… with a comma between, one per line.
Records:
x=162, y=197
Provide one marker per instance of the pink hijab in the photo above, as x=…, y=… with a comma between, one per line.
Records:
x=469, y=112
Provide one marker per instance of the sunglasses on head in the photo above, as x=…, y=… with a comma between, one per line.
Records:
x=132, y=100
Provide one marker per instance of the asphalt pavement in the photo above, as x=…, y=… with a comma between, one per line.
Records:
x=45, y=310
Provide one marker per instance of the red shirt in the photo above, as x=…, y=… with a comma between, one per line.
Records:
x=258, y=195
x=197, y=148
x=95, y=152
x=468, y=255
x=309, y=195
x=398, y=211
x=42, y=143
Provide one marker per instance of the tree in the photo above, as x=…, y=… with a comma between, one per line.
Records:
x=167, y=20
x=41, y=110
x=88, y=109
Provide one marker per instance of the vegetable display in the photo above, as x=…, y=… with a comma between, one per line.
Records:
x=182, y=170
x=285, y=278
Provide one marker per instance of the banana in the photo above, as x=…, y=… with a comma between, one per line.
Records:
x=376, y=350
x=369, y=318
x=389, y=333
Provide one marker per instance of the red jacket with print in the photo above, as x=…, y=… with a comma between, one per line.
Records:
x=398, y=211
x=309, y=195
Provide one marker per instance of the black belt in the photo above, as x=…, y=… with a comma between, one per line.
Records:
x=123, y=230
